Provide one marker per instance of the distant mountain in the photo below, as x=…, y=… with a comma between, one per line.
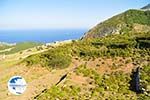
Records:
x=129, y=21
x=147, y=7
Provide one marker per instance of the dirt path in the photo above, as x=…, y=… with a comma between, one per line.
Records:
x=38, y=78
x=36, y=86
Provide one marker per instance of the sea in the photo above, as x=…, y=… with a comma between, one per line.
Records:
x=43, y=36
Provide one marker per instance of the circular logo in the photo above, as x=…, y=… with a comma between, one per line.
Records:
x=17, y=85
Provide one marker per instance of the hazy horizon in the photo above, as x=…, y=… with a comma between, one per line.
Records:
x=60, y=14
x=43, y=36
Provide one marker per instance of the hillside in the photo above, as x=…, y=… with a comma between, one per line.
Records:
x=129, y=21
x=18, y=47
x=103, y=63
x=4, y=45
x=147, y=7
x=106, y=67
x=101, y=66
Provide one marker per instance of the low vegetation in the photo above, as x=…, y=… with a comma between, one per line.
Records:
x=119, y=45
x=3, y=47
x=114, y=85
x=20, y=46
x=54, y=58
x=122, y=23
x=107, y=86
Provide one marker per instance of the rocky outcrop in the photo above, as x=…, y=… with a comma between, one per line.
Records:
x=147, y=7
x=129, y=21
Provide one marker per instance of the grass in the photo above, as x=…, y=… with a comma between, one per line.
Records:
x=145, y=73
x=119, y=45
x=22, y=46
x=112, y=86
x=7, y=64
x=65, y=93
x=54, y=58
x=107, y=86
x=3, y=47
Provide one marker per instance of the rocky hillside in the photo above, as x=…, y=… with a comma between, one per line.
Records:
x=129, y=21
x=101, y=68
x=146, y=7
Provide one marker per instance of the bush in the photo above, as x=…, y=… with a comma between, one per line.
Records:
x=54, y=58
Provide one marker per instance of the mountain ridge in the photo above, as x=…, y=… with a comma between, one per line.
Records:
x=129, y=21
x=147, y=7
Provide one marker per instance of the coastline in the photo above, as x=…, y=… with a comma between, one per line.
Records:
x=39, y=48
x=48, y=43
x=41, y=36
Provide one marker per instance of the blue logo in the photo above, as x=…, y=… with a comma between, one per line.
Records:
x=17, y=85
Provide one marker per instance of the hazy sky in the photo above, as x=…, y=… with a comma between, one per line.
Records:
x=32, y=14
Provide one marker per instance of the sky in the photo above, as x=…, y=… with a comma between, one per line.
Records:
x=54, y=14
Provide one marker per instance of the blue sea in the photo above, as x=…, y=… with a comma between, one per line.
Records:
x=44, y=36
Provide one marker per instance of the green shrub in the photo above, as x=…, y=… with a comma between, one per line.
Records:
x=54, y=58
